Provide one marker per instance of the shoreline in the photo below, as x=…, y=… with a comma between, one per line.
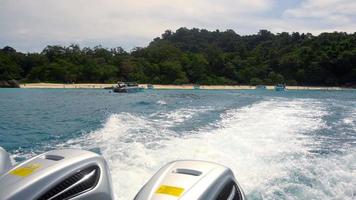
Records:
x=168, y=87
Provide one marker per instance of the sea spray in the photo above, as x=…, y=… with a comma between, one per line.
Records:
x=293, y=145
x=263, y=143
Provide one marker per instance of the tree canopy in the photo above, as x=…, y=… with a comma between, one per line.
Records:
x=196, y=56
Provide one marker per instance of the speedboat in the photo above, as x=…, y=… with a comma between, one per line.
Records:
x=280, y=87
x=79, y=174
x=150, y=87
x=261, y=87
x=196, y=87
x=122, y=87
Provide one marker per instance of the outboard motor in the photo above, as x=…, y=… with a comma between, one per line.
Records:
x=54, y=175
x=192, y=180
x=5, y=161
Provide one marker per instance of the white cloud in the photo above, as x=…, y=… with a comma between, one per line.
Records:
x=331, y=14
x=32, y=24
x=28, y=23
x=324, y=8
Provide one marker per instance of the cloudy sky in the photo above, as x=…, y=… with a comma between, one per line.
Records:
x=30, y=25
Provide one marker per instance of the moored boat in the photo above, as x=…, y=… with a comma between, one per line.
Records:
x=261, y=87
x=122, y=87
x=280, y=87
x=150, y=87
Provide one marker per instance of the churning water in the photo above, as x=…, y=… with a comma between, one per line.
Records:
x=289, y=145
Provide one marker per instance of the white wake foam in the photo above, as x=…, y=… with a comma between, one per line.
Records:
x=161, y=102
x=169, y=119
x=350, y=120
x=264, y=144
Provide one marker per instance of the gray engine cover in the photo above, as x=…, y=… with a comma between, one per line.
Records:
x=5, y=161
x=191, y=180
x=34, y=177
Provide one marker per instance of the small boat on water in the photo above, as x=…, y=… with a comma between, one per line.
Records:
x=280, y=87
x=150, y=87
x=129, y=87
x=261, y=87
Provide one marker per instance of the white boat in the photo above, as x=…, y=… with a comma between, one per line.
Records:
x=129, y=87
x=280, y=87
x=261, y=87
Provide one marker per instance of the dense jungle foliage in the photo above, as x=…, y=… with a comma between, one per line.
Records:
x=196, y=56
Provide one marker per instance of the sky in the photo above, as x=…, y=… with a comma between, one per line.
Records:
x=31, y=25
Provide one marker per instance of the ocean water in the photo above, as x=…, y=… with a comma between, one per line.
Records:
x=280, y=145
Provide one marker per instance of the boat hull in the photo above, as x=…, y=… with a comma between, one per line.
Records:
x=280, y=89
x=128, y=89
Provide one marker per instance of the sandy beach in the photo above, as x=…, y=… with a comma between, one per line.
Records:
x=239, y=87
x=69, y=86
x=166, y=87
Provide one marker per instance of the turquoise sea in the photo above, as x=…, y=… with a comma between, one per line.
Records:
x=280, y=145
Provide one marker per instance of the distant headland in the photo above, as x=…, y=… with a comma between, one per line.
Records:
x=168, y=86
x=196, y=56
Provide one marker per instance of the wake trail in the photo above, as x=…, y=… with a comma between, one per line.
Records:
x=266, y=144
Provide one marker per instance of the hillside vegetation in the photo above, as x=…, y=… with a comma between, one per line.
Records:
x=196, y=56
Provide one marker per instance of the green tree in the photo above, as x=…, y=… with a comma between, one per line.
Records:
x=256, y=81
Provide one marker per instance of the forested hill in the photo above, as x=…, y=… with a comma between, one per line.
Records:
x=196, y=56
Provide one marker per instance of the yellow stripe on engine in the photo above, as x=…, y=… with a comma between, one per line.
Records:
x=25, y=170
x=170, y=190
